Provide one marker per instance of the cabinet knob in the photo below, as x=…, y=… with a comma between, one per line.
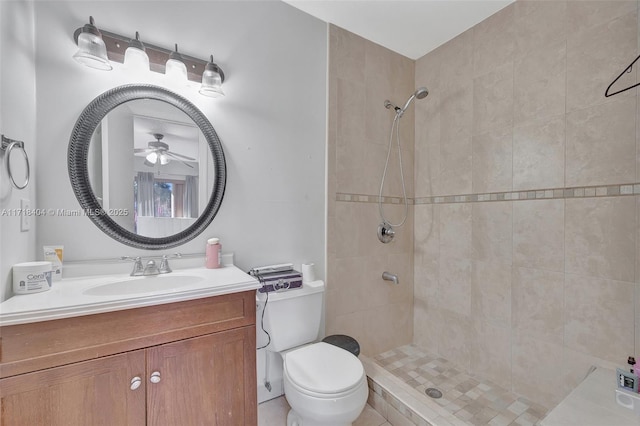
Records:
x=135, y=383
x=155, y=377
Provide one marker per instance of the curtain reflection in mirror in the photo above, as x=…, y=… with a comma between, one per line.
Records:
x=144, y=194
x=191, y=196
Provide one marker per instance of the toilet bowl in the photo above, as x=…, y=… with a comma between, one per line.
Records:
x=324, y=385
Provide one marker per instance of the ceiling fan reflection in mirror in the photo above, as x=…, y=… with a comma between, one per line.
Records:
x=158, y=153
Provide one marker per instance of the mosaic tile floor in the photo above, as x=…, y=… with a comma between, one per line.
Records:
x=470, y=400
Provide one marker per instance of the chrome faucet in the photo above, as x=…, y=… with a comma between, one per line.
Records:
x=388, y=276
x=151, y=268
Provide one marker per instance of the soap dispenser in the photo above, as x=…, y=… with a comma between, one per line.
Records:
x=213, y=253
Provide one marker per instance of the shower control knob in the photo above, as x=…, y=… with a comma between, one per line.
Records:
x=155, y=377
x=385, y=233
x=135, y=383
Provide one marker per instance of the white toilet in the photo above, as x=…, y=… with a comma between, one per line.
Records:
x=325, y=385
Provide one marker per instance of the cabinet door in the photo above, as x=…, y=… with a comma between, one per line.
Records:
x=96, y=393
x=208, y=380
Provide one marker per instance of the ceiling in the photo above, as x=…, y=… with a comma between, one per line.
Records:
x=412, y=28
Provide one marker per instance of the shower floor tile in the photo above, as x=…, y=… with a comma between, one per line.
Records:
x=467, y=398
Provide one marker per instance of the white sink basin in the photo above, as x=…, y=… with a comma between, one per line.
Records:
x=148, y=284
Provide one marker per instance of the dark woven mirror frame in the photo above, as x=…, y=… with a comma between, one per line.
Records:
x=77, y=155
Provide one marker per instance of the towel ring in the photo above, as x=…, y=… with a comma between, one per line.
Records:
x=7, y=146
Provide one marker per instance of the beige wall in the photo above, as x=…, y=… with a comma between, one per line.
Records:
x=358, y=302
x=530, y=293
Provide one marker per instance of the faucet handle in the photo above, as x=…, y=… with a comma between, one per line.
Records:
x=138, y=269
x=164, y=265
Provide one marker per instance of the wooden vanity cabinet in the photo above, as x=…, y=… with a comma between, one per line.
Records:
x=179, y=364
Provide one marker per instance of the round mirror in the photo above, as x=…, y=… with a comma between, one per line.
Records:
x=146, y=166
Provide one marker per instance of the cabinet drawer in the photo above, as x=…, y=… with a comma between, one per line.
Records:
x=36, y=346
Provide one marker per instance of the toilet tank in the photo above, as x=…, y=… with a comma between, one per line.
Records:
x=292, y=317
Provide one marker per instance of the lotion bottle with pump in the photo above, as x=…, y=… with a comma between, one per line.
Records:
x=213, y=253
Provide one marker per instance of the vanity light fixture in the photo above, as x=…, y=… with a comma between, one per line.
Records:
x=161, y=60
x=212, y=80
x=135, y=57
x=92, y=50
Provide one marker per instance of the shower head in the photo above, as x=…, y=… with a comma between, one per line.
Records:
x=420, y=93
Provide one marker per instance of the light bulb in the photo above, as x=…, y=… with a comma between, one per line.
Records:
x=211, y=81
x=135, y=57
x=92, y=51
x=152, y=157
x=176, y=69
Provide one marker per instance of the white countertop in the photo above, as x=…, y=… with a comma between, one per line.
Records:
x=592, y=403
x=79, y=296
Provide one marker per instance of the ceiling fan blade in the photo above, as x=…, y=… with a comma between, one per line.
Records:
x=169, y=154
x=179, y=156
x=145, y=150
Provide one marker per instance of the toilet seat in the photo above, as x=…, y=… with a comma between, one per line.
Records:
x=323, y=370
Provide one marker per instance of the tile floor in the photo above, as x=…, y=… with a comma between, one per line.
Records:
x=470, y=400
x=274, y=413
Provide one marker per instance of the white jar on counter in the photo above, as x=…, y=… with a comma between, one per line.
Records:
x=31, y=277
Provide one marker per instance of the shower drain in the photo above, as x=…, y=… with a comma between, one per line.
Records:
x=433, y=393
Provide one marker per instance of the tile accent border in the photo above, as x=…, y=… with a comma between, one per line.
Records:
x=619, y=190
x=361, y=198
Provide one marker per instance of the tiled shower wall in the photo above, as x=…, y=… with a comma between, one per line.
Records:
x=527, y=210
x=358, y=302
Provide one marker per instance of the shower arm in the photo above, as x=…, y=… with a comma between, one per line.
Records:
x=399, y=111
x=389, y=105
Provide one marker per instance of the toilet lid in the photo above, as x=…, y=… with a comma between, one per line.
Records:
x=323, y=368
